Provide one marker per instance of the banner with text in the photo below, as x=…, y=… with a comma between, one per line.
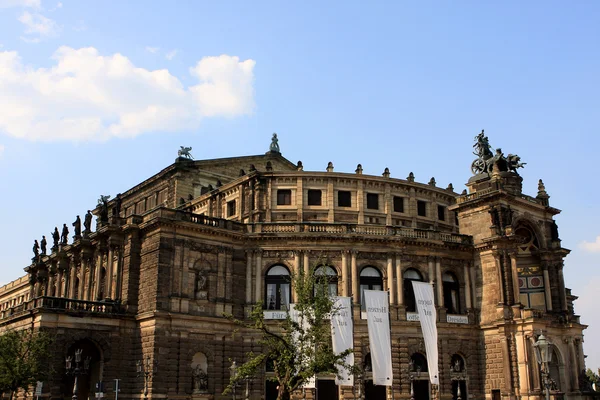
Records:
x=304, y=324
x=342, y=338
x=428, y=317
x=378, y=322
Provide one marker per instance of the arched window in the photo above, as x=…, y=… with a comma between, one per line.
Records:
x=370, y=279
x=457, y=364
x=531, y=279
x=418, y=363
x=451, y=293
x=76, y=293
x=409, y=293
x=458, y=375
x=277, y=288
x=553, y=366
x=326, y=274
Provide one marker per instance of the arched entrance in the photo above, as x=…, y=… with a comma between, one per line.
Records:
x=89, y=367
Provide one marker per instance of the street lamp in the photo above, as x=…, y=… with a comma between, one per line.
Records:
x=233, y=377
x=358, y=380
x=76, y=369
x=147, y=369
x=414, y=372
x=543, y=354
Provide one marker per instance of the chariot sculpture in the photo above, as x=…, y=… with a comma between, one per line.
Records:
x=486, y=159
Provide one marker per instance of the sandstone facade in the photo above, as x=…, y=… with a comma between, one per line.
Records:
x=202, y=238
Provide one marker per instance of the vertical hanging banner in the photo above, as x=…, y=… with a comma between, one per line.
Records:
x=300, y=320
x=378, y=322
x=342, y=338
x=428, y=317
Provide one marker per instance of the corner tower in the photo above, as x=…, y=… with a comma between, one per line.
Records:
x=520, y=290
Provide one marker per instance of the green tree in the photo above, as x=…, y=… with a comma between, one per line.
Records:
x=24, y=356
x=296, y=351
x=593, y=377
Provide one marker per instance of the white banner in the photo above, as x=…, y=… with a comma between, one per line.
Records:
x=342, y=338
x=428, y=317
x=378, y=321
x=300, y=320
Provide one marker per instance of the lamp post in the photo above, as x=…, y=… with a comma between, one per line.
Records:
x=543, y=354
x=147, y=369
x=358, y=377
x=233, y=376
x=414, y=372
x=76, y=368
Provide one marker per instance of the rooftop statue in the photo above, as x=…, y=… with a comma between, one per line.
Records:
x=185, y=152
x=103, y=203
x=64, y=238
x=274, y=144
x=486, y=160
x=43, y=245
x=55, y=238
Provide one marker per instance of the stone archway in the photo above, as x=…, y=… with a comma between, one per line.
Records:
x=91, y=357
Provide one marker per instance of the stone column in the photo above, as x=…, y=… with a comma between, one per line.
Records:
x=221, y=279
x=467, y=274
x=72, y=279
x=249, y=256
x=515, y=277
x=561, y=287
x=547, y=291
x=110, y=273
x=390, y=279
x=117, y=275
x=82, y=272
x=258, y=277
x=360, y=202
x=296, y=268
x=344, y=268
x=497, y=260
x=51, y=281
x=355, y=279
x=574, y=366
x=439, y=285
x=399, y=280
x=432, y=275
x=61, y=266
x=506, y=364
x=305, y=265
x=98, y=274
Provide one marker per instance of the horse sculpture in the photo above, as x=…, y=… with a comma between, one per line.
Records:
x=185, y=152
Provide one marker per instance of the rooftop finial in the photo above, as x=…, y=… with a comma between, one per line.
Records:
x=274, y=144
x=329, y=166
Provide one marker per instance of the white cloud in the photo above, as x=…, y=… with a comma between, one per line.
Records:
x=20, y=3
x=37, y=24
x=591, y=247
x=171, y=54
x=87, y=96
x=152, y=50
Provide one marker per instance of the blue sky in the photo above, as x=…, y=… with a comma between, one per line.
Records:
x=96, y=96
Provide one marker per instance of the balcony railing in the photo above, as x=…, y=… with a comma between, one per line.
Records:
x=355, y=229
x=64, y=304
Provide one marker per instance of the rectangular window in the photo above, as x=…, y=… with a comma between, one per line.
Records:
x=344, y=199
x=441, y=213
x=140, y=207
x=284, y=197
x=372, y=201
x=398, y=204
x=314, y=197
x=231, y=209
x=421, y=208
